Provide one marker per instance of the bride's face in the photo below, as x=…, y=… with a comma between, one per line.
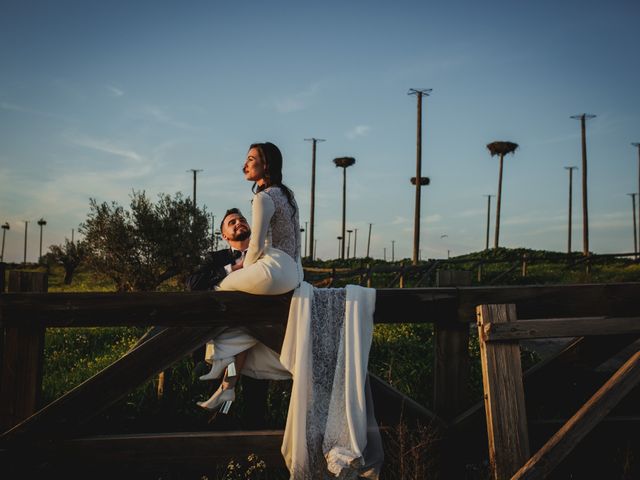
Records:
x=254, y=167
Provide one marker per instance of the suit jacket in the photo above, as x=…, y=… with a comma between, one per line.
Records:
x=211, y=271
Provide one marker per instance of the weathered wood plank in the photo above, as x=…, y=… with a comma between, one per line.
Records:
x=392, y=305
x=504, y=396
x=62, y=416
x=198, y=309
x=560, y=327
x=543, y=301
x=23, y=350
x=206, y=448
x=578, y=426
x=451, y=359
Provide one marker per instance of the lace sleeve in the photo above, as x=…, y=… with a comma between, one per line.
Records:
x=262, y=210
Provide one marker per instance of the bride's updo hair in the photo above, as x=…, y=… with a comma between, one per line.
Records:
x=272, y=158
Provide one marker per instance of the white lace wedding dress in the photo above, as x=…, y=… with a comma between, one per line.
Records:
x=331, y=431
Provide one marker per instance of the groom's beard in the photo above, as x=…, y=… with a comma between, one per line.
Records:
x=243, y=235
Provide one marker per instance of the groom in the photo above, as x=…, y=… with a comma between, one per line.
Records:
x=217, y=265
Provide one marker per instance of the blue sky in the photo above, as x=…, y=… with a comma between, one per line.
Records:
x=101, y=98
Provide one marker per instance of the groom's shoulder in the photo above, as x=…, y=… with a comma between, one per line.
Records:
x=219, y=254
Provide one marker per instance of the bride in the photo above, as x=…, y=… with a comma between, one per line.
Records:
x=271, y=266
x=330, y=423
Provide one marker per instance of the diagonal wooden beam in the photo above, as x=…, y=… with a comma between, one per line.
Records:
x=62, y=417
x=577, y=427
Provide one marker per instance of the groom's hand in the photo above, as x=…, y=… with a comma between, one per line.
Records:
x=237, y=266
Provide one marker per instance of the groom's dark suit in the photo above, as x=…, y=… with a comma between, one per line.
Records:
x=211, y=272
x=205, y=277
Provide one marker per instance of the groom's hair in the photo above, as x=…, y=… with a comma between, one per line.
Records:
x=231, y=211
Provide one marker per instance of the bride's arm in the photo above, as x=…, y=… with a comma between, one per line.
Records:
x=262, y=210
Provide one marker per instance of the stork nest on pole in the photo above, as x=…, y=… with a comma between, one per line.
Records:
x=501, y=148
x=344, y=162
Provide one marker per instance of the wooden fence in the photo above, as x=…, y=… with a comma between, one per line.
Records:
x=57, y=430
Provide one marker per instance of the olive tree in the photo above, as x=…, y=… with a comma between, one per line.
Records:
x=70, y=255
x=144, y=246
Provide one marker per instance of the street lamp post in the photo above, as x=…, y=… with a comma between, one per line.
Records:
x=42, y=222
x=339, y=245
x=306, y=254
x=369, y=240
x=5, y=227
x=349, y=243
x=393, y=250
x=344, y=163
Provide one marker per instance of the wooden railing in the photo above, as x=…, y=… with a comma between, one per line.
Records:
x=192, y=318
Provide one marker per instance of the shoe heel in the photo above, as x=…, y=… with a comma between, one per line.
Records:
x=224, y=409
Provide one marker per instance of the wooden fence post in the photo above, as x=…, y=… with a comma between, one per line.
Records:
x=503, y=395
x=401, y=282
x=23, y=350
x=451, y=354
x=369, y=280
x=524, y=264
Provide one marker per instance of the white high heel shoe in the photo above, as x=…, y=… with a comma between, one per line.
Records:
x=217, y=369
x=220, y=397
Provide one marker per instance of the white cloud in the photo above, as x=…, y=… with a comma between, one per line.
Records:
x=114, y=91
x=358, y=131
x=19, y=108
x=107, y=146
x=296, y=101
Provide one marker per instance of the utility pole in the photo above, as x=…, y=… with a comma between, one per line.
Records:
x=571, y=169
x=349, y=243
x=393, y=250
x=488, y=219
x=344, y=163
x=339, y=246
x=42, y=222
x=384, y=253
x=26, y=224
x=315, y=247
x=369, y=240
x=585, y=211
x=195, y=172
x=72, y=235
x=637, y=145
x=635, y=233
x=418, y=180
x=313, y=191
x=5, y=227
